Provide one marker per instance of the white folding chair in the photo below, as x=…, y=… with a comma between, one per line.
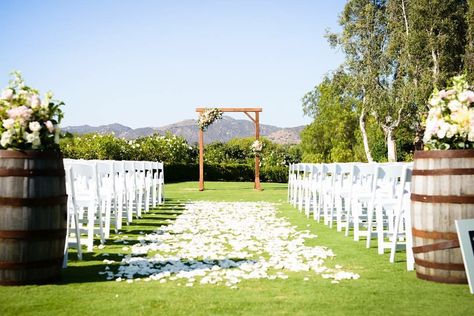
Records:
x=402, y=228
x=158, y=183
x=87, y=200
x=327, y=193
x=107, y=192
x=73, y=234
x=362, y=198
x=389, y=178
x=131, y=190
x=343, y=193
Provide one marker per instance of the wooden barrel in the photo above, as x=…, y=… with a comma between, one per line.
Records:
x=442, y=191
x=33, y=211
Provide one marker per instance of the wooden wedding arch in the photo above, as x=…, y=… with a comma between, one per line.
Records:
x=255, y=119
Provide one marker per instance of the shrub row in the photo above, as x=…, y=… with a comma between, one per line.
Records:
x=224, y=172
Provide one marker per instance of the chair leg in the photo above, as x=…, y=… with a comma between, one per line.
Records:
x=380, y=230
x=396, y=231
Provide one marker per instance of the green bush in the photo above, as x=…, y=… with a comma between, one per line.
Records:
x=231, y=161
x=224, y=172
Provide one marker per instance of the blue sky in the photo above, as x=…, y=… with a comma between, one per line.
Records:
x=150, y=63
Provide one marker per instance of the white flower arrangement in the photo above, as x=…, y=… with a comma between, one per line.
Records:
x=27, y=122
x=257, y=147
x=208, y=116
x=450, y=121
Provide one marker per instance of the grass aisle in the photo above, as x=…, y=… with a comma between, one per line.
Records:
x=383, y=288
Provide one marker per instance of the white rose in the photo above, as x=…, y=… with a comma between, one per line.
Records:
x=443, y=128
x=454, y=105
x=435, y=101
x=8, y=123
x=34, y=126
x=452, y=130
x=7, y=94
x=6, y=138
x=35, y=101
x=34, y=139
x=29, y=137
x=470, y=137
x=463, y=96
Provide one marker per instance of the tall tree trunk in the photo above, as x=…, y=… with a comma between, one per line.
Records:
x=365, y=139
x=391, y=146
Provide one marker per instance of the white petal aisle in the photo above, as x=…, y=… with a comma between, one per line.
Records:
x=224, y=243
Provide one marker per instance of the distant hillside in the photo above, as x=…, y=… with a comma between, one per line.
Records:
x=222, y=130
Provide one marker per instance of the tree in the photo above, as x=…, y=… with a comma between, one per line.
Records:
x=469, y=55
x=396, y=51
x=363, y=40
x=331, y=136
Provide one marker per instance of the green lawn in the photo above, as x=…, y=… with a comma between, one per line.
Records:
x=383, y=288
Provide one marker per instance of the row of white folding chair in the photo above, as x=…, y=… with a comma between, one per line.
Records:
x=98, y=188
x=353, y=191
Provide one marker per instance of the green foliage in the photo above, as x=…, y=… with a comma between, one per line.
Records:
x=168, y=149
x=331, y=135
x=224, y=172
x=233, y=161
x=95, y=146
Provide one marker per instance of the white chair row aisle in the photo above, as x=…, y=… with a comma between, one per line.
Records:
x=370, y=199
x=102, y=193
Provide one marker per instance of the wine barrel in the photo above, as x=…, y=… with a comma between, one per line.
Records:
x=33, y=211
x=442, y=191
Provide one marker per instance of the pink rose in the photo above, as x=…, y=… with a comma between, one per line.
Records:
x=49, y=125
x=442, y=94
x=22, y=113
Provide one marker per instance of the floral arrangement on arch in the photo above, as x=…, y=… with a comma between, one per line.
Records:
x=27, y=121
x=450, y=121
x=257, y=147
x=208, y=116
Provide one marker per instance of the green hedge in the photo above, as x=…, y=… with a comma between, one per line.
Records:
x=224, y=172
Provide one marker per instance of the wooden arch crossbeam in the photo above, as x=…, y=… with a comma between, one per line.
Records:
x=255, y=119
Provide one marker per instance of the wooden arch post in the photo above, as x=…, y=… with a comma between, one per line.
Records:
x=255, y=119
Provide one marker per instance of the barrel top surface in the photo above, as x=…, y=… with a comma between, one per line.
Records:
x=455, y=153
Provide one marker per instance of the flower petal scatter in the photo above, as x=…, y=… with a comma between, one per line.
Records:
x=224, y=243
x=27, y=121
x=208, y=116
x=450, y=121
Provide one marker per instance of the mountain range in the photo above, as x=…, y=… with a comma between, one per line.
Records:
x=221, y=130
